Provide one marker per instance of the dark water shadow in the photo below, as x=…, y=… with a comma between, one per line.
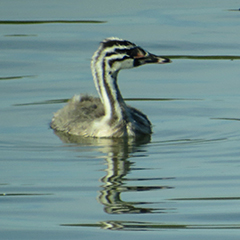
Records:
x=48, y=21
x=204, y=57
x=227, y=119
x=205, y=199
x=21, y=35
x=24, y=194
x=186, y=141
x=16, y=77
x=234, y=10
x=64, y=100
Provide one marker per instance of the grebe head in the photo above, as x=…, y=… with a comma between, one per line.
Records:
x=117, y=54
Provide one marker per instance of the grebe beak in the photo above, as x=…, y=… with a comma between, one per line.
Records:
x=150, y=58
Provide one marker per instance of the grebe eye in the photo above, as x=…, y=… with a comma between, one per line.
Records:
x=137, y=52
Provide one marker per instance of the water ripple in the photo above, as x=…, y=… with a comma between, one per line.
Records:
x=48, y=21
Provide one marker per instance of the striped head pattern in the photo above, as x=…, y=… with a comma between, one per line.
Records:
x=115, y=54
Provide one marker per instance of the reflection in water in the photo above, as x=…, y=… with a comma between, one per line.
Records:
x=118, y=166
x=118, y=154
x=150, y=226
x=114, y=182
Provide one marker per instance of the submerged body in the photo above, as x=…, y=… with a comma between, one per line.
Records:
x=107, y=116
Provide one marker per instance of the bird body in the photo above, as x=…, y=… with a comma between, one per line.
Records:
x=107, y=116
x=76, y=119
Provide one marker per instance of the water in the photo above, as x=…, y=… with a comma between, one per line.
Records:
x=183, y=183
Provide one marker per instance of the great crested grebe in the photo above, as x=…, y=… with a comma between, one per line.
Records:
x=107, y=116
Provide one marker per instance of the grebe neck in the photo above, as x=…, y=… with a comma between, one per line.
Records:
x=105, y=80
